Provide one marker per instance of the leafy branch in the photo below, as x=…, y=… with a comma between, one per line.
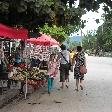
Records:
x=56, y=32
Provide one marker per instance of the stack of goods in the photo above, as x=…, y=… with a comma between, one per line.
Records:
x=17, y=74
x=36, y=78
x=32, y=74
x=36, y=74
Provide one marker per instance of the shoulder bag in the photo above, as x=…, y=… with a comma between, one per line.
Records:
x=83, y=69
x=69, y=64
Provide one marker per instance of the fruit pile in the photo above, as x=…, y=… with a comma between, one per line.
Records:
x=37, y=83
x=31, y=73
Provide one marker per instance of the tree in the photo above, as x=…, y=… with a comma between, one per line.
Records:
x=104, y=36
x=56, y=32
x=73, y=45
x=94, y=4
x=89, y=42
x=33, y=14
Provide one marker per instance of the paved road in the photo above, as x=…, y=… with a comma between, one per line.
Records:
x=96, y=96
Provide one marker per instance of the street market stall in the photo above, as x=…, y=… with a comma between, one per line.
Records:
x=24, y=76
x=10, y=33
x=44, y=52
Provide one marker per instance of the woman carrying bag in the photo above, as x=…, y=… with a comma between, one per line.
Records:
x=80, y=67
x=64, y=66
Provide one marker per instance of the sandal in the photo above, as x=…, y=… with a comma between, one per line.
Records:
x=81, y=87
x=76, y=90
x=61, y=87
x=66, y=86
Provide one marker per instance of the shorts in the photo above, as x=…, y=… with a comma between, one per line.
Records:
x=64, y=72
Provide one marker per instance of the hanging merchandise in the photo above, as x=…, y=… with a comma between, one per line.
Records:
x=40, y=52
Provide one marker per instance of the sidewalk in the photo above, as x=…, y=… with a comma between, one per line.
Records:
x=96, y=96
x=67, y=100
x=7, y=96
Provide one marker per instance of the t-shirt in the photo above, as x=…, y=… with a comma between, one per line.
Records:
x=66, y=54
x=52, y=68
x=72, y=55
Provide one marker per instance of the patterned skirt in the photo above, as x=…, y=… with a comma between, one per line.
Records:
x=77, y=74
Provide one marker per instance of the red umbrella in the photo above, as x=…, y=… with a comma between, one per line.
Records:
x=13, y=33
x=43, y=40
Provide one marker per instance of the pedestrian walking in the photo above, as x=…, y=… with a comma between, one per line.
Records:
x=79, y=60
x=52, y=70
x=64, y=66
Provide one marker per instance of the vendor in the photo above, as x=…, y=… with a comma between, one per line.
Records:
x=35, y=62
x=17, y=57
x=38, y=62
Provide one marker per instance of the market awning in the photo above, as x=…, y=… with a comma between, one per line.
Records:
x=43, y=40
x=13, y=33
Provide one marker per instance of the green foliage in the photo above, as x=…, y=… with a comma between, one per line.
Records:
x=104, y=36
x=73, y=45
x=56, y=32
x=89, y=41
x=33, y=14
x=94, y=4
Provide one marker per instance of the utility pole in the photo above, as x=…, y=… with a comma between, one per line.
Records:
x=81, y=38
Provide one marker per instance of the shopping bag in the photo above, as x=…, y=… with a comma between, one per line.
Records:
x=83, y=69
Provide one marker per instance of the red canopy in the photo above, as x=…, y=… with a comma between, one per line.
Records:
x=13, y=33
x=43, y=40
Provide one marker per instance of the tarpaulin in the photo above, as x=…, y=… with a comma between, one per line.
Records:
x=43, y=40
x=13, y=33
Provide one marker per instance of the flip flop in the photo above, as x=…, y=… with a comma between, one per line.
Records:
x=61, y=87
x=67, y=86
x=81, y=87
x=76, y=90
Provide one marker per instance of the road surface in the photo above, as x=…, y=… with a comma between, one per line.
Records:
x=96, y=96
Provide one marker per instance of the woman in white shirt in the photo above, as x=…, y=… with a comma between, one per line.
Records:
x=64, y=65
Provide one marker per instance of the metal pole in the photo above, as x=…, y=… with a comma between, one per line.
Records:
x=26, y=88
x=2, y=45
x=81, y=39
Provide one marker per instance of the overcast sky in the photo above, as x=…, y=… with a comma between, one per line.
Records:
x=91, y=17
